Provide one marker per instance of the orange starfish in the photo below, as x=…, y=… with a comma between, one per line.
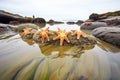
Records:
x=78, y=33
x=26, y=31
x=88, y=23
x=62, y=35
x=44, y=34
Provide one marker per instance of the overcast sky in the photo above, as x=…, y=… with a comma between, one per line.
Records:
x=59, y=9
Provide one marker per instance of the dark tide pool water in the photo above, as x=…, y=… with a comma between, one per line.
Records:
x=27, y=60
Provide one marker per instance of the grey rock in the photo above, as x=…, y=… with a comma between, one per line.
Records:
x=7, y=30
x=112, y=21
x=93, y=25
x=27, y=25
x=52, y=22
x=108, y=34
x=79, y=22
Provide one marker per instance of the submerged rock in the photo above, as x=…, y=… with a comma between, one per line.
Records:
x=7, y=30
x=108, y=34
x=93, y=25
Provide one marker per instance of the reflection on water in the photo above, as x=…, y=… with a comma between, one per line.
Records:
x=22, y=59
x=108, y=47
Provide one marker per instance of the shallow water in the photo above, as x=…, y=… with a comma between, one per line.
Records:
x=26, y=60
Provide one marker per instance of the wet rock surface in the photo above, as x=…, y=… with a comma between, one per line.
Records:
x=108, y=34
x=7, y=30
x=112, y=21
x=93, y=25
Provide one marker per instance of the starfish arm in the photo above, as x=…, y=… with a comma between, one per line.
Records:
x=28, y=33
x=42, y=39
x=56, y=38
x=72, y=30
x=61, y=41
x=47, y=29
x=67, y=39
x=62, y=35
x=83, y=34
x=49, y=33
x=78, y=36
x=55, y=32
x=39, y=34
x=74, y=34
x=29, y=29
x=59, y=29
x=47, y=38
x=67, y=33
x=22, y=34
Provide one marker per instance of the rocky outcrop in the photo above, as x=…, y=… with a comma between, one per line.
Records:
x=52, y=22
x=70, y=22
x=7, y=30
x=83, y=41
x=6, y=17
x=14, y=22
x=93, y=25
x=94, y=16
x=39, y=20
x=97, y=17
x=108, y=34
x=112, y=21
x=14, y=19
x=79, y=22
x=108, y=14
x=28, y=25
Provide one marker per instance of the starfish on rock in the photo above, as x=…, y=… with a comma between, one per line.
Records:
x=78, y=33
x=44, y=34
x=88, y=23
x=26, y=31
x=62, y=35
